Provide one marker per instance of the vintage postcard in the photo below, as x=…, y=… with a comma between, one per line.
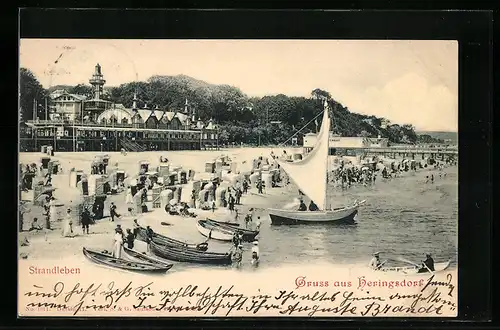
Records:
x=229, y=178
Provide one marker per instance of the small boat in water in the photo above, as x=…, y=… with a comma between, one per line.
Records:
x=310, y=175
x=414, y=270
x=144, y=258
x=210, y=230
x=185, y=255
x=164, y=240
x=109, y=260
x=248, y=235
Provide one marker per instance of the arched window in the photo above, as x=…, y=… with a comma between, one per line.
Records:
x=103, y=121
x=124, y=120
x=113, y=119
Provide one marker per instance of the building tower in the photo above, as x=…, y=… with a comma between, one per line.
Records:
x=134, y=104
x=186, y=107
x=97, y=81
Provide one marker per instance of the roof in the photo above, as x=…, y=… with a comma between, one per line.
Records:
x=144, y=114
x=75, y=96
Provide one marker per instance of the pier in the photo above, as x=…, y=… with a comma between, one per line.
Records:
x=412, y=152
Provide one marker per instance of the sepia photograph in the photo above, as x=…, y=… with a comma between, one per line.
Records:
x=230, y=178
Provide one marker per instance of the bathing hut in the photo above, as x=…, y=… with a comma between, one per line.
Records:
x=182, y=176
x=144, y=166
x=163, y=170
x=53, y=166
x=165, y=197
x=171, y=179
x=75, y=176
x=45, y=162
x=120, y=176
x=152, y=176
x=209, y=167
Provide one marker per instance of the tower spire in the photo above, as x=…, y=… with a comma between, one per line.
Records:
x=134, y=104
x=97, y=81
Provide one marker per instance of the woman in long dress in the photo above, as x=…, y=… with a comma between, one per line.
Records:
x=117, y=244
x=129, y=199
x=68, y=225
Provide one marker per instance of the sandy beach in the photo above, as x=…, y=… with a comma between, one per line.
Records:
x=50, y=243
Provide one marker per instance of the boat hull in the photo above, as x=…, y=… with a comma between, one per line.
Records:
x=214, y=232
x=413, y=270
x=292, y=217
x=180, y=255
x=140, y=257
x=164, y=240
x=110, y=261
x=248, y=235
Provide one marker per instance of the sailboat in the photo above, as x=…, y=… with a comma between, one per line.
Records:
x=310, y=175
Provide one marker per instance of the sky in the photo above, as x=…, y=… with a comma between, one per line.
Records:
x=406, y=81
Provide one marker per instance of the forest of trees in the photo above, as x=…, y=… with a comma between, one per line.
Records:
x=251, y=120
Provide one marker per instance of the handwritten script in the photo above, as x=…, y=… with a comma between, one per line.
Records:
x=434, y=299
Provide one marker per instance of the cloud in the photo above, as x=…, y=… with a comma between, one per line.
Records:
x=409, y=99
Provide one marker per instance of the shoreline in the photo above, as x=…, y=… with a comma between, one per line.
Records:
x=51, y=242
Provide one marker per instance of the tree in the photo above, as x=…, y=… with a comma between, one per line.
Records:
x=30, y=89
x=320, y=94
x=82, y=89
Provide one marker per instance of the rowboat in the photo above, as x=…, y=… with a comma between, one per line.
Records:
x=183, y=255
x=210, y=230
x=345, y=214
x=310, y=175
x=164, y=240
x=144, y=258
x=414, y=270
x=108, y=260
x=248, y=235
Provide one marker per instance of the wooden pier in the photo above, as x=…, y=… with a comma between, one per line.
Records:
x=412, y=152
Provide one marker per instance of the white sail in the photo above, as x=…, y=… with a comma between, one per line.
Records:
x=310, y=173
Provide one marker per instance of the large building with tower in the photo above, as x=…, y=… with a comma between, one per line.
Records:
x=81, y=123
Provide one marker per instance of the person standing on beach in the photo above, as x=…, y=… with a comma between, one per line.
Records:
x=112, y=211
x=193, y=198
x=237, y=256
x=255, y=253
x=231, y=203
x=130, y=239
x=68, y=225
x=86, y=220
x=117, y=244
x=259, y=186
x=136, y=228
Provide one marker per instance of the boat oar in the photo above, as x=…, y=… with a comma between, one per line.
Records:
x=408, y=262
x=381, y=264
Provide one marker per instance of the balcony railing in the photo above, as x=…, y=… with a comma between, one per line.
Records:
x=89, y=123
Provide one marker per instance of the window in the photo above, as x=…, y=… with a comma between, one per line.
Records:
x=66, y=132
x=124, y=120
x=103, y=121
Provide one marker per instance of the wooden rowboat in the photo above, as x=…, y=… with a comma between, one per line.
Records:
x=248, y=235
x=108, y=260
x=141, y=257
x=178, y=254
x=164, y=240
x=213, y=231
x=414, y=270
